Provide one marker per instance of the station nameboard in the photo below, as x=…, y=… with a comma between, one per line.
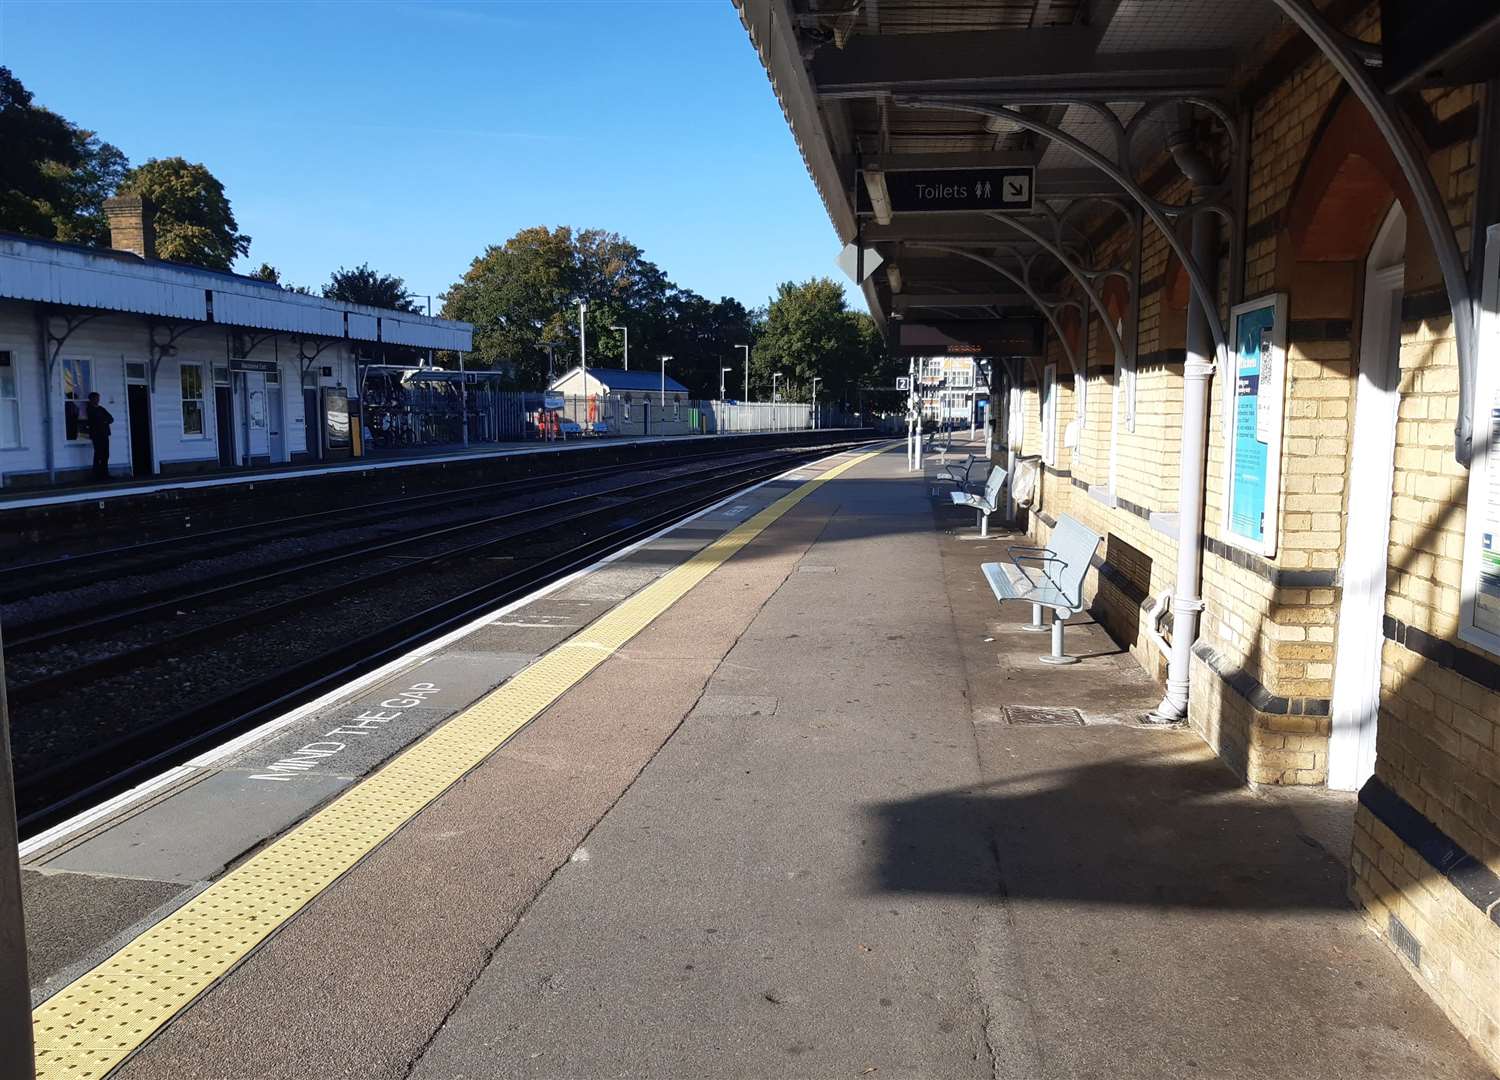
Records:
x=242, y=363
x=1003, y=188
x=977, y=337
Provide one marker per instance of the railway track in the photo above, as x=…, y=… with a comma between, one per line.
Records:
x=25, y=580
x=317, y=635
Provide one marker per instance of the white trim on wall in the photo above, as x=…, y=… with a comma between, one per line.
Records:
x=1480, y=620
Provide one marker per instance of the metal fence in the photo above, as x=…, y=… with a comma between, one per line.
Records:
x=431, y=415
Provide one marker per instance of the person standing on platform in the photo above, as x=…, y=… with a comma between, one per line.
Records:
x=99, y=419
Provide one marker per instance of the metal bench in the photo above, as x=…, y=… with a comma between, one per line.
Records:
x=986, y=502
x=956, y=473
x=1054, y=580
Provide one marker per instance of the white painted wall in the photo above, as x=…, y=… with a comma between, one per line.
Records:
x=110, y=341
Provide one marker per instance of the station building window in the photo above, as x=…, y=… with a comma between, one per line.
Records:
x=191, y=376
x=78, y=380
x=1049, y=415
x=10, y=404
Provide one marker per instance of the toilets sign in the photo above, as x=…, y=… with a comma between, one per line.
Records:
x=1008, y=188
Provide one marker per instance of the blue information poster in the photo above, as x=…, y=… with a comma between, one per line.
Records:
x=1254, y=424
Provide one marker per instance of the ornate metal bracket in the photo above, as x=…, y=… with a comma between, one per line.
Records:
x=308, y=359
x=1351, y=62
x=1119, y=168
x=1084, y=276
x=1048, y=308
x=249, y=342
x=72, y=320
x=160, y=348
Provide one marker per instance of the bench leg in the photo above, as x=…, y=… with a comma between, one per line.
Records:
x=1036, y=626
x=984, y=524
x=1057, y=656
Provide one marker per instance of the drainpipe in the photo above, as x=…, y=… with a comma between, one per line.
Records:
x=1187, y=599
x=43, y=351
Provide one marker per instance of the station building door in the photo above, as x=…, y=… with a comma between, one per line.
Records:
x=253, y=417
x=138, y=409
x=224, y=424
x=1360, y=637
x=275, y=416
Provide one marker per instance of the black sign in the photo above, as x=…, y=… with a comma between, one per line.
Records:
x=241, y=363
x=947, y=190
x=977, y=337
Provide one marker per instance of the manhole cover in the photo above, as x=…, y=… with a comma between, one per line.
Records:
x=1033, y=714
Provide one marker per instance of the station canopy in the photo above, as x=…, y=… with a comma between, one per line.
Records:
x=968, y=142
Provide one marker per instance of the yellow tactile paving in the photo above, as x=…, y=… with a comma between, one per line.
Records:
x=93, y=1024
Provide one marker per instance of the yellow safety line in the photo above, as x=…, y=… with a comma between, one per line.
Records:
x=94, y=1023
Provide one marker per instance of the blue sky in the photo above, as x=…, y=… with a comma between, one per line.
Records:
x=411, y=134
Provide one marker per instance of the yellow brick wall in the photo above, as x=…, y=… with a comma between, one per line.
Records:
x=1439, y=734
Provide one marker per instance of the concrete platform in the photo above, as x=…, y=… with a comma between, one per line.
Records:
x=788, y=829
x=375, y=461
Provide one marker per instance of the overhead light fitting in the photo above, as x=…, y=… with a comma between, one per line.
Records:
x=880, y=197
x=893, y=275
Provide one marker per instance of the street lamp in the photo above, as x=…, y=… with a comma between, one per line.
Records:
x=774, y=376
x=583, y=351
x=664, y=360
x=815, y=382
x=626, y=331
x=747, y=369
x=722, y=372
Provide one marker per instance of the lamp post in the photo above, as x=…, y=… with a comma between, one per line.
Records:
x=747, y=370
x=664, y=360
x=722, y=372
x=815, y=382
x=583, y=349
x=626, y=331
x=774, y=376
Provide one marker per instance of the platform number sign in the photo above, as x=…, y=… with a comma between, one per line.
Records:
x=903, y=382
x=1252, y=423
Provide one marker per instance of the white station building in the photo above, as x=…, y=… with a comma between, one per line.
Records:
x=202, y=370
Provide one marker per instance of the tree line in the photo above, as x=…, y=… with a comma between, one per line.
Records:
x=521, y=296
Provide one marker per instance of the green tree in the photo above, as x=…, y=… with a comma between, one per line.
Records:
x=810, y=331
x=40, y=149
x=194, y=221
x=266, y=272
x=362, y=285
x=522, y=296
x=78, y=213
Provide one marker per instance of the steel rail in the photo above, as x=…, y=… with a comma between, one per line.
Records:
x=57, y=629
x=251, y=534
x=99, y=774
x=241, y=621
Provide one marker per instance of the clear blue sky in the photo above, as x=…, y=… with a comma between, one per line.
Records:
x=411, y=134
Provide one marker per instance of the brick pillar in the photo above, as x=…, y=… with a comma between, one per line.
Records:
x=132, y=224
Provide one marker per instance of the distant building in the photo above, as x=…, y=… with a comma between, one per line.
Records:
x=201, y=369
x=604, y=381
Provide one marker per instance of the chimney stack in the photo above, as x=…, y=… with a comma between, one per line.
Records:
x=132, y=224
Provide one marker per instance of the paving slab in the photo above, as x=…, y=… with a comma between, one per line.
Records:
x=359, y=982
x=725, y=922
x=790, y=830
x=200, y=831
x=71, y=918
